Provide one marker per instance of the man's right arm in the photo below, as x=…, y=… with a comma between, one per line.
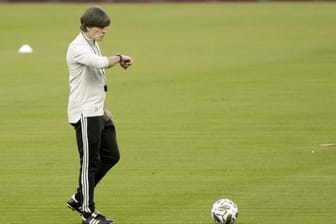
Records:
x=84, y=56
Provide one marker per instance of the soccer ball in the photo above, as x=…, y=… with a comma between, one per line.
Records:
x=224, y=211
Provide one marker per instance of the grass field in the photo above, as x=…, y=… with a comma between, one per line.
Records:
x=224, y=100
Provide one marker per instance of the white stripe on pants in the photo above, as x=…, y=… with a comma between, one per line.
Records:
x=85, y=166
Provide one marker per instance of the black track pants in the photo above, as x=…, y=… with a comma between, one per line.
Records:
x=99, y=152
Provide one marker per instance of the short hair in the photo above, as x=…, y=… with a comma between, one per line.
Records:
x=94, y=17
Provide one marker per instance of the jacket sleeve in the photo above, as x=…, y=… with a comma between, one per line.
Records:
x=85, y=56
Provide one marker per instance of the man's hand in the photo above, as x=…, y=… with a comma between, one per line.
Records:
x=125, y=61
x=107, y=114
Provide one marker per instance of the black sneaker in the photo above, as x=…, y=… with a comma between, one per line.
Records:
x=75, y=205
x=97, y=218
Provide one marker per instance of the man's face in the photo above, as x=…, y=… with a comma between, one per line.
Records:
x=96, y=33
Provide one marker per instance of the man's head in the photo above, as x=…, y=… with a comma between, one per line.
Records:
x=94, y=22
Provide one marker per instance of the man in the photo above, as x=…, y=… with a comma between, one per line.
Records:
x=87, y=111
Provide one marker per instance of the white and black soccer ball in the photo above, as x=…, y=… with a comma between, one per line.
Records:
x=224, y=211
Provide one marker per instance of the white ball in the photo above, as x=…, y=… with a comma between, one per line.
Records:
x=224, y=211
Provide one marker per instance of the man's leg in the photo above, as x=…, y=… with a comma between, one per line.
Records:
x=91, y=129
x=109, y=151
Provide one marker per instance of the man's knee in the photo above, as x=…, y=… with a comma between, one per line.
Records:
x=111, y=160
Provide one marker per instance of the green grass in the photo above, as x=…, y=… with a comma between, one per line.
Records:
x=224, y=100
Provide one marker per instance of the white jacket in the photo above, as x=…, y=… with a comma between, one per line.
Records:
x=86, y=78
